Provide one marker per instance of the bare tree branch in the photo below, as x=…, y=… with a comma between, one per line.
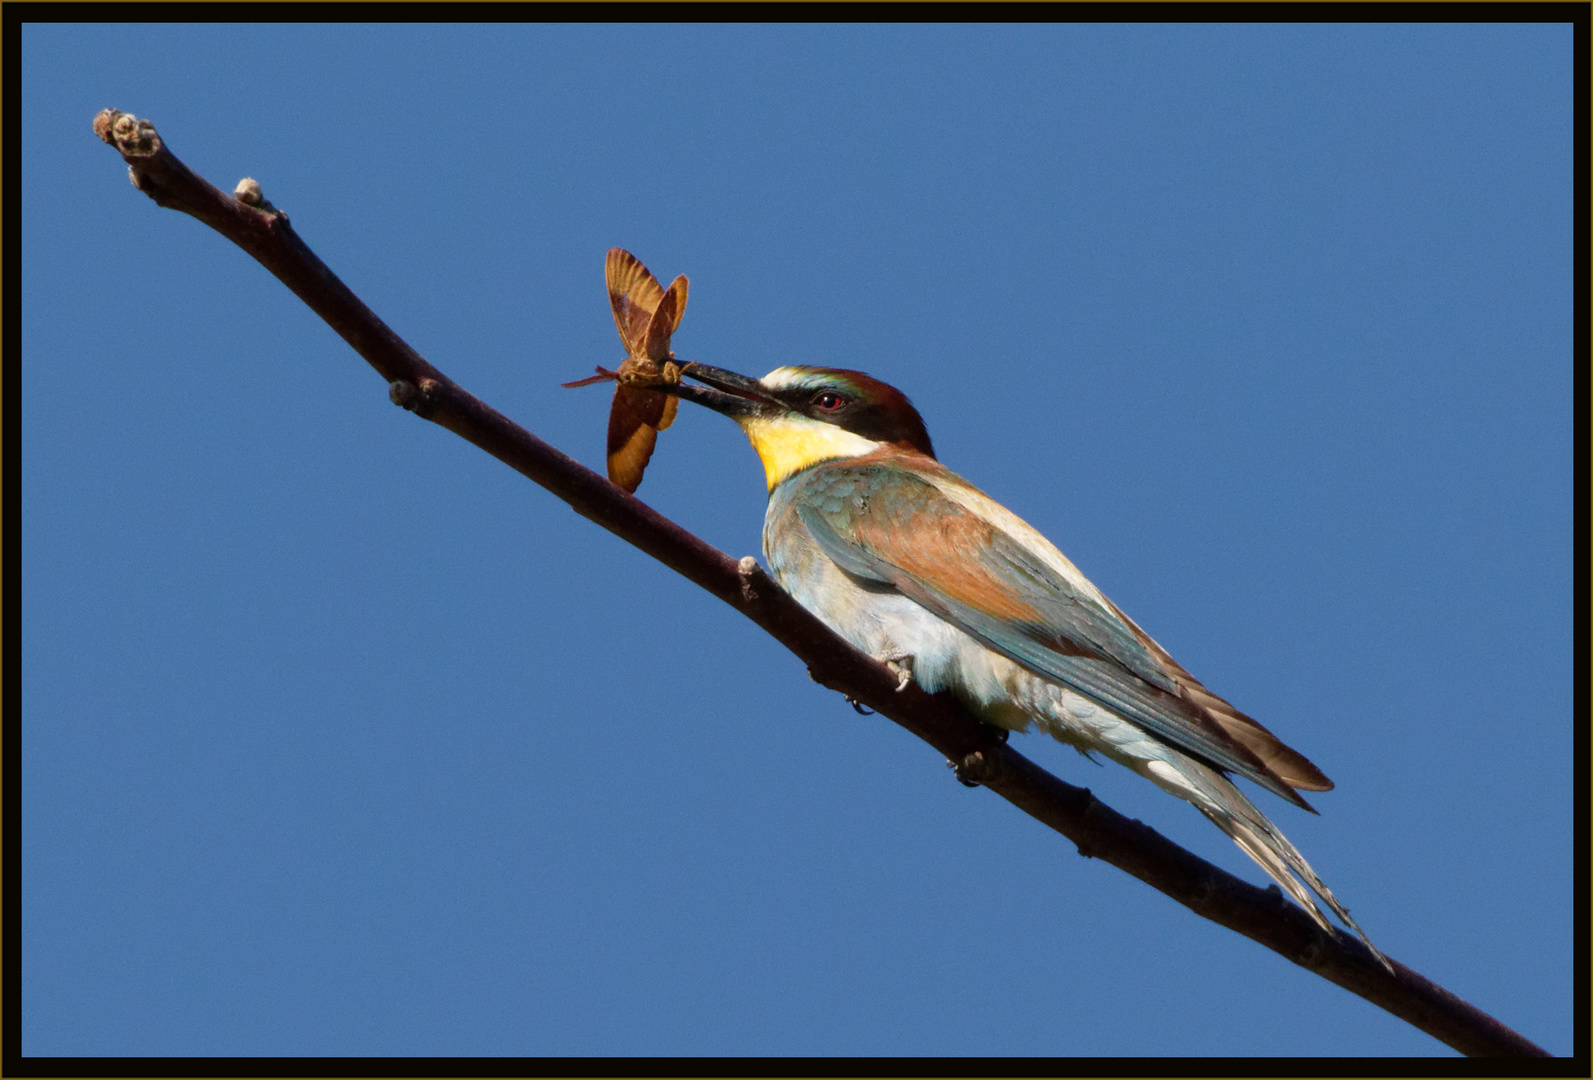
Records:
x=978, y=755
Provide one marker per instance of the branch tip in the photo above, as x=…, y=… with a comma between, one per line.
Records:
x=130, y=135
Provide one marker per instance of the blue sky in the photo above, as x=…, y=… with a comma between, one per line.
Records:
x=338, y=737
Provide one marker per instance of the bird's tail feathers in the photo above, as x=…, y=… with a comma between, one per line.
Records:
x=1211, y=792
x=1258, y=838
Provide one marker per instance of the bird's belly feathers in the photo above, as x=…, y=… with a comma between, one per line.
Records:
x=888, y=625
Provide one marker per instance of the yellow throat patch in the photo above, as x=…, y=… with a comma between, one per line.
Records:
x=788, y=444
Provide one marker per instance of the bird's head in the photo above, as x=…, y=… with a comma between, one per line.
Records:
x=800, y=416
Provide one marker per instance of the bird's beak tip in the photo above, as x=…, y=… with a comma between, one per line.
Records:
x=721, y=390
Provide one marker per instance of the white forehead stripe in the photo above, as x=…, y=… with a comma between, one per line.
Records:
x=783, y=378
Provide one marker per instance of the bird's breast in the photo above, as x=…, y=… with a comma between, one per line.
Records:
x=875, y=618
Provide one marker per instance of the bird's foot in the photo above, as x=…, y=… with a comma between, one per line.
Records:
x=974, y=770
x=901, y=666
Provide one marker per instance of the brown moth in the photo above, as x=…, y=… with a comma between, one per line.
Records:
x=646, y=315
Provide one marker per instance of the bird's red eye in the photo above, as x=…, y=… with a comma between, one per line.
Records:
x=829, y=401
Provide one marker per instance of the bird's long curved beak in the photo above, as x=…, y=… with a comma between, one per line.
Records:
x=723, y=391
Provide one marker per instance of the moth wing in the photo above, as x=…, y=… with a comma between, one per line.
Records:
x=633, y=295
x=666, y=320
x=633, y=424
x=671, y=403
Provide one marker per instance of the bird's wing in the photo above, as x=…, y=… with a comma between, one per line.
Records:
x=892, y=526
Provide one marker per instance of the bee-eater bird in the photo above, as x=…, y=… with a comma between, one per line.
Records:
x=918, y=568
